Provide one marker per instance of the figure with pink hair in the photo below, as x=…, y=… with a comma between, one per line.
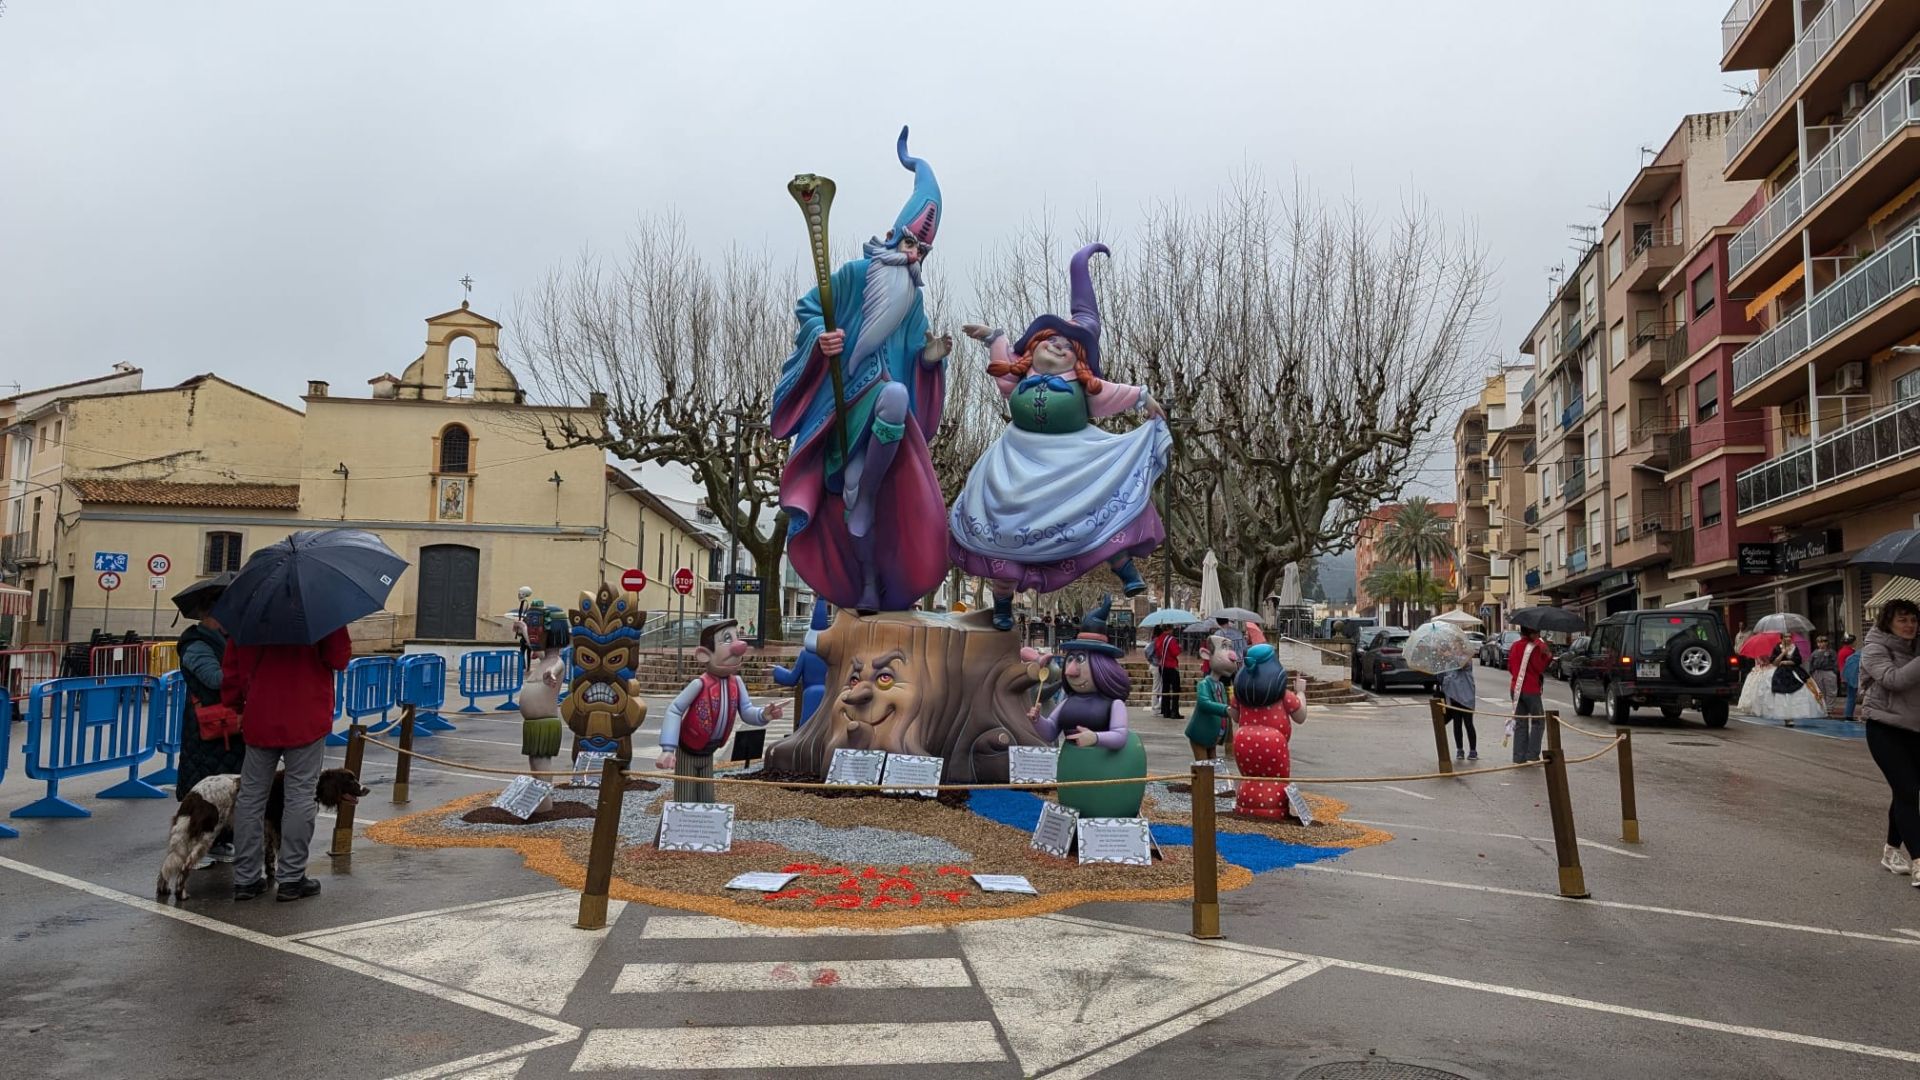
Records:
x=1267, y=710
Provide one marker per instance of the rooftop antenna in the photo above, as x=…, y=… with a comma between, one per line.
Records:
x=1743, y=91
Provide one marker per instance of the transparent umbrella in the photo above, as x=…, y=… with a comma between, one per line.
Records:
x=1438, y=647
x=1784, y=622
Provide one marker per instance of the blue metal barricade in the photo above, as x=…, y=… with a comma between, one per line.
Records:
x=78, y=726
x=370, y=690
x=339, y=693
x=6, y=754
x=423, y=685
x=490, y=673
x=168, y=703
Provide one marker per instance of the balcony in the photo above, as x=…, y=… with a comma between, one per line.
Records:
x=1577, y=561
x=1571, y=337
x=1648, y=447
x=1533, y=579
x=1531, y=515
x=1475, y=540
x=1765, y=133
x=1854, y=466
x=1755, y=34
x=1526, y=390
x=1648, y=539
x=1476, y=493
x=1870, y=161
x=1572, y=413
x=1655, y=253
x=18, y=549
x=1856, y=315
x=1674, y=352
x=1679, y=447
x=1646, y=353
x=1528, y=452
x=1575, y=485
x=1476, y=447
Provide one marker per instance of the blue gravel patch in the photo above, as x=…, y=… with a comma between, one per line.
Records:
x=1257, y=852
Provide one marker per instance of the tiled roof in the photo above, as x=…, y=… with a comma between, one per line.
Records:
x=169, y=493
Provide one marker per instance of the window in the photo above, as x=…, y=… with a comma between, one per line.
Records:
x=35, y=538
x=1677, y=221
x=1617, y=342
x=1590, y=294
x=1709, y=504
x=1619, y=427
x=222, y=554
x=58, y=426
x=1680, y=308
x=40, y=608
x=455, y=447
x=1706, y=396
x=1614, y=263
x=1594, y=453
x=1907, y=387
x=660, y=557
x=1620, y=517
x=1686, y=504
x=1703, y=293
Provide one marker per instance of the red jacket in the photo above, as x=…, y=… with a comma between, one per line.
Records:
x=284, y=693
x=1167, y=646
x=1533, y=679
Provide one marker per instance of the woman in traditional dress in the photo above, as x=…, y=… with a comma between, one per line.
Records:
x=1264, y=731
x=1092, y=717
x=1054, y=497
x=1790, y=695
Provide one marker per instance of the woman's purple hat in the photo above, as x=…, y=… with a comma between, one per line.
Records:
x=1083, y=328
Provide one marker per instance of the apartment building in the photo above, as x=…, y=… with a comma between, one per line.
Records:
x=1513, y=497
x=1829, y=267
x=1367, y=556
x=1487, y=464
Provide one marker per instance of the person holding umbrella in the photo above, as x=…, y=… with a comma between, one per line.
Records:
x=201, y=646
x=286, y=614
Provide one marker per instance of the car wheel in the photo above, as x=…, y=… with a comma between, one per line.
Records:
x=1619, y=709
x=1715, y=713
x=1582, y=704
x=1696, y=663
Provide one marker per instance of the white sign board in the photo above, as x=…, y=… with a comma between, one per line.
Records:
x=1005, y=883
x=157, y=583
x=1297, y=801
x=523, y=796
x=909, y=774
x=1123, y=840
x=856, y=766
x=586, y=768
x=1054, y=833
x=1033, y=764
x=696, y=826
x=762, y=881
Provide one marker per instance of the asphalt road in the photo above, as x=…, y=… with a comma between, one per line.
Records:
x=1751, y=934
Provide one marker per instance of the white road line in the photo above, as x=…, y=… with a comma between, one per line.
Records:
x=1825, y=931
x=411, y=916
x=1405, y=791
x=559, y=1032
x=776, y=1046
x=1904, y=930
x=704, y=977
x=1746, y=1031
x=708, y=926
x=357, y=819
x=1499, y=835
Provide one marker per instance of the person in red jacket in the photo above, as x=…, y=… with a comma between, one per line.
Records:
x=284, y=694
x=1165, y=654
x=1527, y=663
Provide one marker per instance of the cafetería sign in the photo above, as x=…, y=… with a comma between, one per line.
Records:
x=1812, y=544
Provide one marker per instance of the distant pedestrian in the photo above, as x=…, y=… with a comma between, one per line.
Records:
x=1527, y=666
x=1456, y=688
x=1850, y=674
x=1824, y=667
x=284, y=694
x=1890, y=703
x=1846, y=651
x=1790, y=694
x=1164, y=651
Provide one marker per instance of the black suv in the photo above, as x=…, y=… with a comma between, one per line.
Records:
x=1674, y=660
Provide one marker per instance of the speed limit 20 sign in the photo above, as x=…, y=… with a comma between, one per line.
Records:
x=158, y=565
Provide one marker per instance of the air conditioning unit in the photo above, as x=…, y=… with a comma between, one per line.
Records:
x=1855, y=100
x=1851, y=378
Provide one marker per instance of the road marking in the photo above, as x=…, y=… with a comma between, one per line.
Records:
x=775, y=1046
x=1404, y=791
x=707, y=926
x=391, y=919
x=1904, y=930
x=1770, y=1034
x=1500, y=835
x=1825, y=931
x=559, y=1032
x=713, y=976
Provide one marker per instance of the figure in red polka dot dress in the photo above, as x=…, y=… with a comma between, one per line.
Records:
x=1267, y=712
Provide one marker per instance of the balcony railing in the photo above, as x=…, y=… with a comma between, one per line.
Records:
x=16, y=548
x=1526, y=390
x=1897, y=107
x=1575, y=486
x=1734, y=22
x=1476, y=446
x=1570, y=337
x=1577, y=561
x=1647, y=237
x=1679, y=447
x=1574, y=410
x=1528, y=452
x=1859, y=447
x=1476, y=493
x=1673, y=351
x=1531, y=515
x=1533, y=579
x=1890, y=270
x=1813, y=46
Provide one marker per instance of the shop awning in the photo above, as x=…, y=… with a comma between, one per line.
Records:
x=1900, y=588
x=1772, y=292
x=15, y=601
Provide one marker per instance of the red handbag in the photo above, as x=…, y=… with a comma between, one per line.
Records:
x=217, y=721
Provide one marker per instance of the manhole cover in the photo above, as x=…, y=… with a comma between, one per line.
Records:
x=1375, y=1070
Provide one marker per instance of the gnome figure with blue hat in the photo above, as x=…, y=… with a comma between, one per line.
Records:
x=1092, y=723
x=809, y=670
x=866, y=520
x=1054, y=496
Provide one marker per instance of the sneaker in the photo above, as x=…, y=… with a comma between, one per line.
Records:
x=1473, y=755
x=297, y=890
x=249, y=890
x=1788, y=723
x=221, y=853
x=1895, y=860
x=205, y=861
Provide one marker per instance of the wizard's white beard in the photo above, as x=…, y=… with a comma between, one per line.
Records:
x=891, y=291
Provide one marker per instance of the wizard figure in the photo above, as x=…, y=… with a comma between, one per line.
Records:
x=1054, y=496
x=1091, y=722
x=867, y=525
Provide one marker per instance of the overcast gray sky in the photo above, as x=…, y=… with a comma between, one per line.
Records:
x=278, y=191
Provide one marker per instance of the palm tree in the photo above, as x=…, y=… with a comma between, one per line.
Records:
x=1419, y=534
x=1389, y=582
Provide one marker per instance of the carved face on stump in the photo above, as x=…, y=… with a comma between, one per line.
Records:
x=880, y=706
x=606, y=631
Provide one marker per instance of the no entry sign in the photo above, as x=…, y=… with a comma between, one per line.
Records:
x=683, y=581
x=633, y=580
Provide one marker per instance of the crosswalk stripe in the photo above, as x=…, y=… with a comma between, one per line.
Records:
x=706, y=976
x=777, y=1046
x=707, y=926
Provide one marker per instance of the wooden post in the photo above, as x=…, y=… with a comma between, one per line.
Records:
x=1573, y=882
x=1439, y=711
x=403, y=769
x=343, y=815
x=1206, y=867
x=1553, y=731
x=606, y=832
x=1629, y=812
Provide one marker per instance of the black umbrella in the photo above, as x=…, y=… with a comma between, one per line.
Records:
x=307, y=586
x=1548, y=619
x=199, y=596
x=1895, y=553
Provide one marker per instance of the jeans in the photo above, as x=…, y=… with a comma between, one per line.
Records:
x=303, y=765
x=1529, y=727
x=1852, y=693
x=1897, y=752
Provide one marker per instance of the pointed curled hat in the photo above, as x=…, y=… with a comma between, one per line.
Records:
x=921, y=215
x=1083, y=329
x=1093, y=632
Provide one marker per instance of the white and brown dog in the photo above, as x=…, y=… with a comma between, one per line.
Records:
x=206, y=811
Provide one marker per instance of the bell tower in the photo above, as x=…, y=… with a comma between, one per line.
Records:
x=439, y=376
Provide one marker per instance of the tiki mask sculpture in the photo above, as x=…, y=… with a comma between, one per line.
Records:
x=603, y=709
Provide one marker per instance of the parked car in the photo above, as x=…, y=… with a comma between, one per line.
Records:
x=1384, y=664
x=1566, y=661
x=1494, y=653
x=1362, y=637
x=1674, y=660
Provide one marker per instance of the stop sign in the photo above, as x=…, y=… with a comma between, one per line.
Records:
x=633, y=580
x=683, y=581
